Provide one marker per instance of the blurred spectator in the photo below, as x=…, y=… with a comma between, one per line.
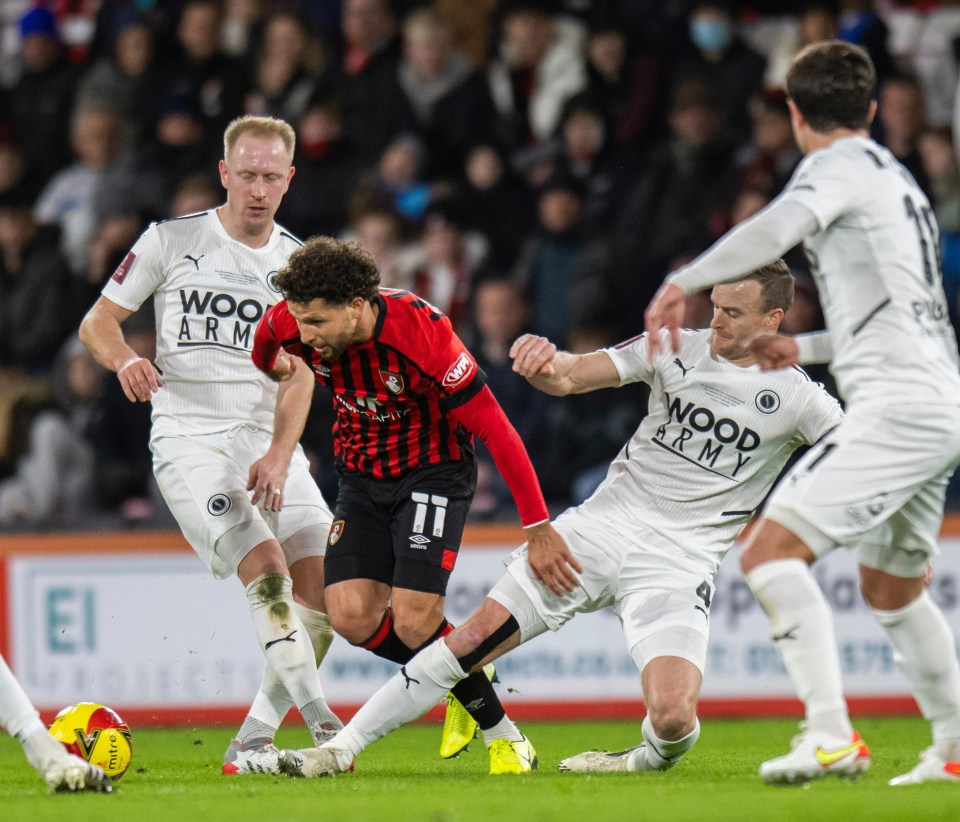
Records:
x=203, y=72
x=721, y=58
x=242, y=26
x=924, y=37
x=445, y=101
x=54, y=480
x=860, y=24
x=497, y=204
x=624, y=80
x=108, y=246
x=42, y=98
x=69, y=200
x=818, y=21
x=586, y=430
x=768, y=159
x=327, y=171
x=193, y=194
x=901, y=117
x=500, y=315
x=550, y=259
x=175, y=151
x=680, y=202
x=363, y=75
x=37, y=307
x=383, y=233
x=605, y=169
x=539, y=66
x=472, y=21
x=287, y=69
x=447, y=261
x=401, y=176
x=128, y=80
x=13, y=161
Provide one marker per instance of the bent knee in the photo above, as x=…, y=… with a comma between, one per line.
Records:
x=674, y=720
x=355, y=628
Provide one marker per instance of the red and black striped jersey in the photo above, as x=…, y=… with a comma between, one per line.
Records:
x=394, y=393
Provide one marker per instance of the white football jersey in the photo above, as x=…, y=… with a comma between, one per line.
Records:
x=209, y=292
x=875, y=260
x=715, y=437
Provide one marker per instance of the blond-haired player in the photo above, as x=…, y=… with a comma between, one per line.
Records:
x=224, y=437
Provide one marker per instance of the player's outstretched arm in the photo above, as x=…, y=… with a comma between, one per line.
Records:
x=558, y=372
x=101, y=333
x=268, y=474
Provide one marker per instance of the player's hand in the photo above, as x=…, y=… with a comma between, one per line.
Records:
x=665, y=311
x=550, y=559
x=284, y=367
x=774, y=351
x=139, y=379
x=533, y=356
x=266, y=479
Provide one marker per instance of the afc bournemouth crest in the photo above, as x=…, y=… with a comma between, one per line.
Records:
x=336, y=531
x=394, y=382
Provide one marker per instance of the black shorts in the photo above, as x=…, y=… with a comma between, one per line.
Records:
x=405, y=533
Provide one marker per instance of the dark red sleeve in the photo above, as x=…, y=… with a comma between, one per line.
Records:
x=483, y=416
x=266, y=343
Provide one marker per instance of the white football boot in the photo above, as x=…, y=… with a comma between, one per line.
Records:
x=931, y=768
x=813, y=755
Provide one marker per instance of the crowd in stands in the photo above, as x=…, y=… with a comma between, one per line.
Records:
x=526, y=165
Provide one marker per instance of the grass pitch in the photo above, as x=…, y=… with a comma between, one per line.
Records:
x=176, y=776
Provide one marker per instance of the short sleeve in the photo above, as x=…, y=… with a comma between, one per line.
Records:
x=632, y=360
x=449, y=362
x=820, y=413
x=140, y=274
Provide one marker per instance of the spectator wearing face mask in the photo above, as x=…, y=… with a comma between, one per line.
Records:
x=719, y=56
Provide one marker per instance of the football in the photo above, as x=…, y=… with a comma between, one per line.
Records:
x=95, y=733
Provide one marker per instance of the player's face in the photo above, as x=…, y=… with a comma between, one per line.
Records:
x=738, y=317
x=329, y=329
x=256, y=175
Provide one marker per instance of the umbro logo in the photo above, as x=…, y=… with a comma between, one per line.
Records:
x=194, y=260
x=682, y=367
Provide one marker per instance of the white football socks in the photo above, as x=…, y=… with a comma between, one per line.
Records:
x=802, y=628
x=658, y=754
x=272, y=701
x=925, y=651
x=287, y=647
x=408, y=694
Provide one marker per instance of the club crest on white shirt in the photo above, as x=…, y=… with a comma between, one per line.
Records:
x=767, y=401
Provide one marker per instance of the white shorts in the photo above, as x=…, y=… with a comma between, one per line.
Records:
x=664, y=609
x=203, y=479
x=877, y=482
